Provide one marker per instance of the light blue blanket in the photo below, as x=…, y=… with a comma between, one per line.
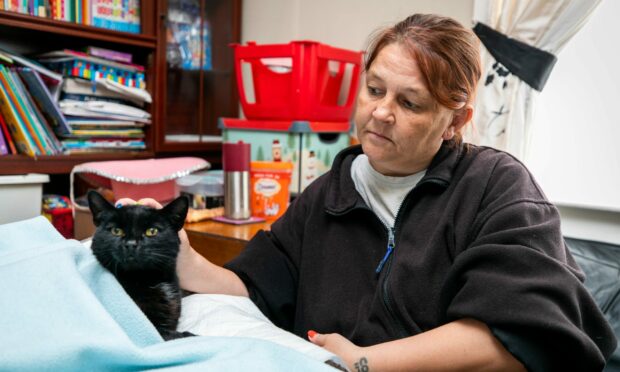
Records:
x=61, y=311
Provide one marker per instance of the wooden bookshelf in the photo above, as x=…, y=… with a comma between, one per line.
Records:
x=62, y=28
x=216, y=92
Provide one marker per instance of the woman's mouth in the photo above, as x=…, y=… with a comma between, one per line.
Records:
x=374, y=136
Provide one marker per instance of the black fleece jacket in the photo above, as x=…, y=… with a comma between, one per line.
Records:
x=476, y=238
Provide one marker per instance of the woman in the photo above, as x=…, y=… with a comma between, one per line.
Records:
x=418, y=252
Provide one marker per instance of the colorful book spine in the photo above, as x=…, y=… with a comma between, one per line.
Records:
x=7, y=134
x=23, y=142
x=4, y=150
x=45, y=133
x=91, y=71
x=118, y=15
x=27, y=116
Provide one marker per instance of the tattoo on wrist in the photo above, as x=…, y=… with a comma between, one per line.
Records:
x=362, y=365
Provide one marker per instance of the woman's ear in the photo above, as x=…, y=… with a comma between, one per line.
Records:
x=460, y=118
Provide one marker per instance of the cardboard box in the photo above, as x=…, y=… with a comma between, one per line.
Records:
x=20, y=196
x=310, y=146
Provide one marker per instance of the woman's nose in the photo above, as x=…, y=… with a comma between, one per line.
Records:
x=383, y=112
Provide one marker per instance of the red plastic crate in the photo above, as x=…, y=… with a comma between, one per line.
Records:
x=301, y=80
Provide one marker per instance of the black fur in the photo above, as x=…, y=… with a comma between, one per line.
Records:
x=144, y=265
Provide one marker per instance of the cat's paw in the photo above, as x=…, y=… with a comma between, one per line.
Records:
x=173, y=335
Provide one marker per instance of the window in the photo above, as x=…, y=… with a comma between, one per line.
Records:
x=575, y=146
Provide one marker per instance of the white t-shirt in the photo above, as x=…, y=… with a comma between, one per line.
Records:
x=383, y=194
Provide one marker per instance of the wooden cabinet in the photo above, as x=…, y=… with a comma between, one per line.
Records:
x=199, y=90
x=184, y=101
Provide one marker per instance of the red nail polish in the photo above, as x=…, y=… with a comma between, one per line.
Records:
x=311, y=334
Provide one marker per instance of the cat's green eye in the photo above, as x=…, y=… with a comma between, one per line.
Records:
x=151, y=231
x=117, y=231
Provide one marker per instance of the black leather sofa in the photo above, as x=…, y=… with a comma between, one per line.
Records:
x=601, y=264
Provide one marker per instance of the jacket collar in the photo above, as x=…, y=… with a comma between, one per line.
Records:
x=342, y=197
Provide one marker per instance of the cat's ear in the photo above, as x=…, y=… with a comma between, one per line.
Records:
x=98, y=204
x=177, y=211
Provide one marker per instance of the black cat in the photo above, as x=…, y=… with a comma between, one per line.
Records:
x=139, y=245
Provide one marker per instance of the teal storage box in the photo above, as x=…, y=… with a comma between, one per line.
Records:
x=310, y=146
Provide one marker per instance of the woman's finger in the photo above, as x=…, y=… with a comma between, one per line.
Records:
x=124, y=201
x=150, y=203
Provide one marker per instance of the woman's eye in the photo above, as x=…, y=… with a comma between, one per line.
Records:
x=117, y=231
x=408, y=105
x=373, y=91
x=152, y=231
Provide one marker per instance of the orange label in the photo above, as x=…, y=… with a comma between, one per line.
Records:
x=269, y=193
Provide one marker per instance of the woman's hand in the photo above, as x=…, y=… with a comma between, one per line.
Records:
x=350, y=353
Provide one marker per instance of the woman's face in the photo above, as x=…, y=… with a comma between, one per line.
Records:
x=399, y=124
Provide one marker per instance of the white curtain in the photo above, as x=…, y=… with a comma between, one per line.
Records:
x=505, y=104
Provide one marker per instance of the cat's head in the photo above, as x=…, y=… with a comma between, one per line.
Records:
x=136, y=237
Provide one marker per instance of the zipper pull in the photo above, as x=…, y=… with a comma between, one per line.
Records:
x=390, y=248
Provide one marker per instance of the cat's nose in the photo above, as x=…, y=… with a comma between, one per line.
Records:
x=131, y=243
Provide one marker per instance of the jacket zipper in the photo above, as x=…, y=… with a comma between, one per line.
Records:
x=385, y=295
x=390, y=248
x=387, y=299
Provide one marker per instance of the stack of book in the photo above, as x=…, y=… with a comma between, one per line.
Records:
x=29, y=116
x=39, y=106
x=102, y=98
x=118, y=15
x=110, y=66
x=103, y=125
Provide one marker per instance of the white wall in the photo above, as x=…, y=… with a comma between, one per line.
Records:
x=347, y=24
x=340, y=23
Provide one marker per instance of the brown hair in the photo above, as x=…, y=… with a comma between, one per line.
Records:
x=446, y=52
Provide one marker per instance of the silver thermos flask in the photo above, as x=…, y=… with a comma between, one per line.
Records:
x=236, y=165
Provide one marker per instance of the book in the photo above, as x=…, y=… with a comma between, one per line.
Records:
x=19, y=117
x=4, y=150
x=44, y=100
x=23, y=111
x=78, y=122
x=109, y=54
x=50, y=76
x=23, y=142
x=116, y=15
x=7, y=135
x=45, y=131
x=103, y=144
x=107, y=133
x=103, y=88
x=107, y=110
x=68, y=54
x=89, y=97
